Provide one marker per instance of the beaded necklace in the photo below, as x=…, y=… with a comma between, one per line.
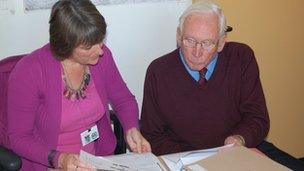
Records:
x=69, y=92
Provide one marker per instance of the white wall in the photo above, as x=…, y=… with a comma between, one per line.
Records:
x=137, y=34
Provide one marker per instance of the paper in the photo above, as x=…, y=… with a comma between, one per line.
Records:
x=46, y=4
x=143, y=161
x=6, y=7
x=123, y=162
x=177, y=161
x=101, y=163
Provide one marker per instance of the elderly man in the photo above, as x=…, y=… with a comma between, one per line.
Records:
x=207, y=92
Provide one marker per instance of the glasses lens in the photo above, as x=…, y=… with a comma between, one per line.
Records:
x=189, y=42
x=206, y=44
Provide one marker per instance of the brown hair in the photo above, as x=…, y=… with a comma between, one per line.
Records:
x=74, y=23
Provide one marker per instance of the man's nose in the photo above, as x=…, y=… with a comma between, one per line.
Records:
x=198, y=49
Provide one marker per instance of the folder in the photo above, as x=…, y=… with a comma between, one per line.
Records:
x=236, y=159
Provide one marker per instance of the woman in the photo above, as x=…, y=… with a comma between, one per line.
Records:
x=58, y=95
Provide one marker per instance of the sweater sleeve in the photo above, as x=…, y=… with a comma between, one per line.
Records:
x=254, y=125
x=154, y=127
x=23, y=104
x=121, y=99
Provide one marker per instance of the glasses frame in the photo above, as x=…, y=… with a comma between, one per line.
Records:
x=207, y=44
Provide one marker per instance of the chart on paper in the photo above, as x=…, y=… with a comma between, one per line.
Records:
x=46, y=4
x=6, y=7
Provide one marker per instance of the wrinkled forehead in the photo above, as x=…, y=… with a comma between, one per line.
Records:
x=203, y=25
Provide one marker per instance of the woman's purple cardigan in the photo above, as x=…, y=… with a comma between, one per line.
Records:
x=34, y=106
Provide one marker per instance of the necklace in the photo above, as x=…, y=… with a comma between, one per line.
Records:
x=69, y=92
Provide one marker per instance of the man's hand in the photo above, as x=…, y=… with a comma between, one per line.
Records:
x=137, y=142
x=237, y=140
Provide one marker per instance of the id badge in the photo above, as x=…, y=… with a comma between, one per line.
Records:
x=89, y=135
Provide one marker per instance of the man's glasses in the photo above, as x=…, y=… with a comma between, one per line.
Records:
x=205, y=44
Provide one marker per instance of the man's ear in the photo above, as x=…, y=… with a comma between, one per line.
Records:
x=178, y=37
x=221, y=43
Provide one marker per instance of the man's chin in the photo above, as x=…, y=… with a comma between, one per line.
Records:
x=196, y=67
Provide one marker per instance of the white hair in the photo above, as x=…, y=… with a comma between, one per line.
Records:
x=203, y=7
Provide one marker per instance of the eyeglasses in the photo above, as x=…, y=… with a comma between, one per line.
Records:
x=205, y=44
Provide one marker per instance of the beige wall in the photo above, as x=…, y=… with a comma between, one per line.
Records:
x=275, y=30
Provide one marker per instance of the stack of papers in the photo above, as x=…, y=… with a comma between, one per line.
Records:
x=147, y=161
x=234, y=159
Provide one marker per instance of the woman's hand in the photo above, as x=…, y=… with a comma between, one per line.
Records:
x=137, y=142
x=71, y=162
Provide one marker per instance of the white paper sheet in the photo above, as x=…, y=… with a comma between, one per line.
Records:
x=6, y=7
x=124, y=162
x=46, y=4
x=103, y=163
x=143, y=161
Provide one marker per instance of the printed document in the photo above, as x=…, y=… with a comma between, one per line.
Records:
x=124, y=162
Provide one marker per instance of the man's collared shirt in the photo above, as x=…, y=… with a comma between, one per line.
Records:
x=195, y=73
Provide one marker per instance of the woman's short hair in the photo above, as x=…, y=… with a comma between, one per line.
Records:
x=74, y=23
x=205, y=6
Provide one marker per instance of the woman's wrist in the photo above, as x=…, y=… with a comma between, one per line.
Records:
x=62, y=159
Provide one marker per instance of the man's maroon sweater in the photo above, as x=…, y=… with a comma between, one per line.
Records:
x=179, y=115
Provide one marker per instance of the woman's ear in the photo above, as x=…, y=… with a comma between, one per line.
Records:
x=221, y=43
